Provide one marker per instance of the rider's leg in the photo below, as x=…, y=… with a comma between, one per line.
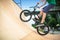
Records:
x=37, y=18
x=43, y=17
x=45, y=11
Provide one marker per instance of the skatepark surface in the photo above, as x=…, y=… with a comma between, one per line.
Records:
x=12, y=28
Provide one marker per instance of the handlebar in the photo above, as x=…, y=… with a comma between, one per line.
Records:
x=36, y=6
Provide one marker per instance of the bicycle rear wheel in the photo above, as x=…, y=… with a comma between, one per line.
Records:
x=42, y=30
x=25, y=16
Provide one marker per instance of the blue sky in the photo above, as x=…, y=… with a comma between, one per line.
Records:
x=25, y=4
x=29, y=3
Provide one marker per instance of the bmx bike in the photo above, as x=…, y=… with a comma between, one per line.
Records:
x=42, y=30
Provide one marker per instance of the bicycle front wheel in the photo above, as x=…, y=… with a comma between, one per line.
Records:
x=25, y=16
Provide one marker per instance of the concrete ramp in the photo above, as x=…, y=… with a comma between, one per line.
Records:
x=12, y=28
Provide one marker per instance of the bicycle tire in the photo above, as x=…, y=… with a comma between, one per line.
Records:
x=45, y=32
x=24, y=15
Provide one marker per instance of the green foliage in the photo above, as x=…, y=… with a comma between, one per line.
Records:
x=51, y=20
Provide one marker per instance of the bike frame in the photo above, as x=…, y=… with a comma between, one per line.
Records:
x=34, y=10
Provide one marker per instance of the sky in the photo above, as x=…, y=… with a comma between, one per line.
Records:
x=29, y=3
x=25, y=4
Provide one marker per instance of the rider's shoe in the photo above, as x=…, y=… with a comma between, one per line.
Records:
x=41, y=24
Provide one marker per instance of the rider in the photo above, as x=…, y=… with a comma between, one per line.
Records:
x=44, y=11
